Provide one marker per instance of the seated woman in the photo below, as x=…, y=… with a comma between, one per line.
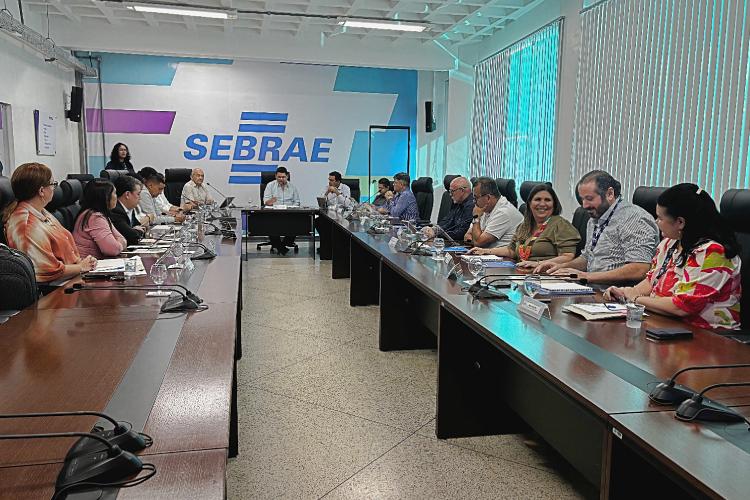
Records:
x=695, y=274
x=119, y=159
x=543, y=234
x=33, y=230
x=94, y=233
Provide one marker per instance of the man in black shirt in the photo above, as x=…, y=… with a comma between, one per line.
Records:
x=458, y=219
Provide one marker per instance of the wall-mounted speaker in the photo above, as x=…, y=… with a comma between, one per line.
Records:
x=76, y=104
x=429, y=118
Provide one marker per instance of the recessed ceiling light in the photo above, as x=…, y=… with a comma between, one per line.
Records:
x=184, y=11
x=383, y=25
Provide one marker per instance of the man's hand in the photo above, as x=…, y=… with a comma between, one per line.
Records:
x=429, y=232
x=478, y=211
x=566, y=271
x=270, y=201
x=388, y=195
x=546, y=267
x=479, y=251
x=179, y=218
x=333, y=190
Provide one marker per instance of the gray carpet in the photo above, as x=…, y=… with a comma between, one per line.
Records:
x=324, y=414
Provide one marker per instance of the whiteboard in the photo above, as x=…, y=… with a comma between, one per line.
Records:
x=46, y=133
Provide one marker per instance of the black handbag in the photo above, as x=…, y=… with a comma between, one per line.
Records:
x=18, y=288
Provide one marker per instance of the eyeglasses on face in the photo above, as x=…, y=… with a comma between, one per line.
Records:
x=451, y=191
x=52, y=184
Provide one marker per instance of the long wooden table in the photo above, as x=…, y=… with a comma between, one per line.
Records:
x=583, y=386
x=172, y=375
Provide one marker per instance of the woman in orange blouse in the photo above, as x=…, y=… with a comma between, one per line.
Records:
x=33, y=230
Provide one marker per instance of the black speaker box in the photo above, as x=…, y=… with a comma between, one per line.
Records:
x=76, y=104
x=429, y=118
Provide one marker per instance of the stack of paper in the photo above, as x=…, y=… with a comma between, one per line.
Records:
x=565, y=289
x=592, y=311
x=483, y=258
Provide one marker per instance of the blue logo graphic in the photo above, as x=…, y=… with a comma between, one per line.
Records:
x=265, y=148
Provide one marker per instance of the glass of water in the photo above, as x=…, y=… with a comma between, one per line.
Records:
x=158, y=273
x=476, y=268
x=439, y=244
x=532, y=284
x=634, y=318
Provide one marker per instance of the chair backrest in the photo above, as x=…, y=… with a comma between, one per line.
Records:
x=447, y=181
x=6, y=193
x=57, y=201
x=265, y=178
x=84, y=178
x=445, y=199
x=422, y=189
x=507, y=188
x=112, y=175
x=174, y=180
x=525, y=189
x=353, y=187
x=645, y=197
x=580, y=221
x=72, y=189
x=735, y=207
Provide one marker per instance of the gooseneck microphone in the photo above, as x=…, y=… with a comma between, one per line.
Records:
x=442, y=231
x=700, y=408
x=220, y=193
x=184, y=303
x=207, y=252
x=671, y=393
x=121, y=434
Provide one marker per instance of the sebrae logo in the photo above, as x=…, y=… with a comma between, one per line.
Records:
x=259, y=140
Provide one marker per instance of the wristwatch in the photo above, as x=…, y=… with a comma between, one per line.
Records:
x=475, y=219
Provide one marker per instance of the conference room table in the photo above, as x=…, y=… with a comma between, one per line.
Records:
x=581, y=385
x=288, y=221
x=170, y=375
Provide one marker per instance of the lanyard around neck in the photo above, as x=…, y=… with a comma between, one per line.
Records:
x=599, y=229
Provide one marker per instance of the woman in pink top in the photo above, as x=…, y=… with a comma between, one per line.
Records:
x=94, y=233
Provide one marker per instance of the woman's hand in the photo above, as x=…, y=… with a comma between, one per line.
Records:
x=527, y=264
x=479, y=251
x=88, y=264
x=616, y=294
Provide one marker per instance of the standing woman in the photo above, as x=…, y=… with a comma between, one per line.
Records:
x=33, y=230
x=695, y=274
x=119, y=159
x=94, y=233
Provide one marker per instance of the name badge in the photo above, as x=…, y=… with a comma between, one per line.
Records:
x=392, y=243
x=532, y=307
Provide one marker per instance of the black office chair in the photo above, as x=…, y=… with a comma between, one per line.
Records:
x=353, y=187
x=84, y=178
x=265, y=178
x=6, y=198
x=174, y=180
x=580, y=222
x=422, y=189
x=525, y=189
x=445, y=199
x=507, y=188
x=735, y=207
x=112, y=175
x=645, y=197
x=57, y=202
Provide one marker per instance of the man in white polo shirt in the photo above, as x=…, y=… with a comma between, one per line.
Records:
x=495, y=218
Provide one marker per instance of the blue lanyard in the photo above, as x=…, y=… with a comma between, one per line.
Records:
x=665, y=264
x=599, y=229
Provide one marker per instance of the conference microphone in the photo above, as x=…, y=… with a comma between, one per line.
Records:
x=190, y=294
x=231, y=205
x=480, y=291
x=671, y=393
x=207, y=252
x=452, y=242
x=700, y=408
x=184, y=303
x=111, y=465
x=121, y=435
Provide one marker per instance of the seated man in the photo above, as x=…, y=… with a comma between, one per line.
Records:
x=401, y=205
x=281, y=192
x=165, y=207
x=621, y=238
x=494, y=219
x=124, y=216
x=194, y=193
x=384, y=185
x=458, y=219
x=148, y=204
x=336, y=193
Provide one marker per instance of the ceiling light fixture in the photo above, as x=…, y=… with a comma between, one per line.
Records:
x=383, y=25
x=184, y=11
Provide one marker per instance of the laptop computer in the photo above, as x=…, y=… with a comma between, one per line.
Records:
x=227, y=201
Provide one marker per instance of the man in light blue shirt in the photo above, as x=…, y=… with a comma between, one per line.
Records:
x=281, y=192
x=403, y=204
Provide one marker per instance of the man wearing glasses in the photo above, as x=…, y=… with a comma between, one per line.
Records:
x=458, y=218
x=495, y=219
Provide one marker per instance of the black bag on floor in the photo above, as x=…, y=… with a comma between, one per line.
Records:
x=18, y=288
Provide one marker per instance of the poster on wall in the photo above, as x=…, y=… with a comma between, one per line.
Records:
x=45, y=133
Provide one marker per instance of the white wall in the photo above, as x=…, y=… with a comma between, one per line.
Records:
x=28, y=83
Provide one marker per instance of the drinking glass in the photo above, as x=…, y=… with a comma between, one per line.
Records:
x=439, y=244
x=532, y=284
x=158, y=273
x=476, y=268
x=634, y=317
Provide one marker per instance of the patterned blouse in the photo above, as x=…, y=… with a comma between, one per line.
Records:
x=707, y=286
x=47, y=243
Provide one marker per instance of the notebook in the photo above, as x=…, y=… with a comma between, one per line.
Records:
x=565, y=289
x=593, y=311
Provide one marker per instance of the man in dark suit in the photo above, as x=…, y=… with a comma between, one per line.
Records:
x=124, y=215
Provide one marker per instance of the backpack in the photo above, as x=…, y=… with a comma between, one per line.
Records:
x=18, y=288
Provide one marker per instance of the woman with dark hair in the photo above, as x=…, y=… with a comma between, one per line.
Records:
x=94, y=233
x=119, y=159
x=33, y=230
x=695, y=274
x=543, y=234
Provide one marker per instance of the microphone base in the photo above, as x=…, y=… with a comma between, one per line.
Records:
x=206, y=255
x=99, y=468
x=179, y=304
x=706, y=410
x=129, y=441
x=665, y=394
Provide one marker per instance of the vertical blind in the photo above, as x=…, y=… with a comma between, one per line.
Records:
x=514, y=108
x=662, y=93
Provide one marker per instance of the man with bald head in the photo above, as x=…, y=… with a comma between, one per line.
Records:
x=458, y=218
x=194, y=193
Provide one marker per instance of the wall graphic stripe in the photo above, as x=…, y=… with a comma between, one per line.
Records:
x=515, y=107
x=129, y=121
x=662, y=93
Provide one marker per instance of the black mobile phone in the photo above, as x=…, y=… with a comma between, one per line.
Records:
x=668, y=333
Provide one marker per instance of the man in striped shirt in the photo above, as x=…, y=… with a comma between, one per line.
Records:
x=621, y=238
x=403, y=204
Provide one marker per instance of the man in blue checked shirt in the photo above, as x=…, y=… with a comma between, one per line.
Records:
x=402, y=204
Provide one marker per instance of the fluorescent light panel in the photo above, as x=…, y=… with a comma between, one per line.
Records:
x=383, y=25
x=181, y=11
